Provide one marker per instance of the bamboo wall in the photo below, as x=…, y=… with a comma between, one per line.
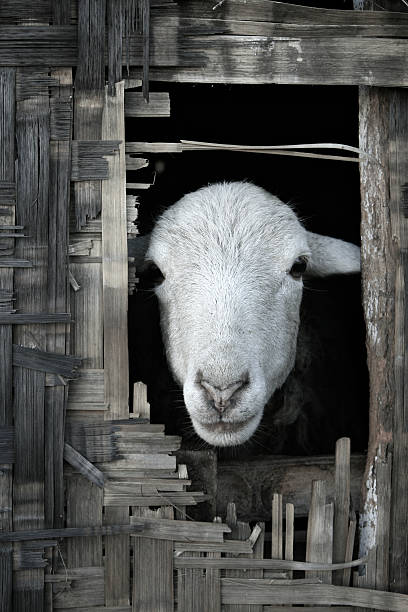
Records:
x=80, y=469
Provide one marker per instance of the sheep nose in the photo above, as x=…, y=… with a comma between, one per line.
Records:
x=221, y=396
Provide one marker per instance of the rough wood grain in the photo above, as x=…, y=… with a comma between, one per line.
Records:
x=43, y=361
x=30, y=284
x=157, y=106
x=234, y=590
x=7, y=194
x=83, y=466
x=341, y=504
x=153, y=567
x=115, y=306
x=69, y=532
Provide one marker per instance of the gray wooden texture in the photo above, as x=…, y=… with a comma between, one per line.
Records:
x=7, y=178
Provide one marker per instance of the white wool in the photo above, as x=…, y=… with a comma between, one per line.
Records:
x=229, y=306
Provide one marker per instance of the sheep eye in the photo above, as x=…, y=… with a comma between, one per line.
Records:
x=151, y=276
x=299, y=267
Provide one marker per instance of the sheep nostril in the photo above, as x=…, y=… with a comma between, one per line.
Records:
x=220, y=398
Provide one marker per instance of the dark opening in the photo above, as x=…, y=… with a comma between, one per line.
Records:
x=333, y=381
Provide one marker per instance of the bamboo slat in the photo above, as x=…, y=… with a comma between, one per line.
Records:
x=153, y=566
x=30, y=285
x=115, y=306
x=137, y=106
x=7, y=194
x=234, y=590
x=83, y=587
x=341, y=504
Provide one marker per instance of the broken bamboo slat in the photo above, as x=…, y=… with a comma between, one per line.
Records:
x=157, y=106
x=83, y=466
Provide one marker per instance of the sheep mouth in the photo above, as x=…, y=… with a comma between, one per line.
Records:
x=226, y=426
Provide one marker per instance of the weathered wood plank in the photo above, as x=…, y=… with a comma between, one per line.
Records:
x=83, y=466
x=189, y=531
x=115, y=306
x=89, y=86
x=7, y=195
x=34, y=318
x=157, y=106
x=115, y=261
x=153, y=566
x=315, y=539
x=298, y=61
x=84, y=509
x=7, y=454
x=89, y=387
x=89, y=161
x=281, y=12
x=70, y=532
x=30, y=284
x=234, y=590
x=86, y=588
x=341, y=504
x=267, y=564
x=43, y=361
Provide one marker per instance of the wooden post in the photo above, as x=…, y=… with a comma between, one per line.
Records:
x=384, y=135
x=7, y=217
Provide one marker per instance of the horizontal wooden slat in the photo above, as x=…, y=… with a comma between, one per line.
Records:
x=190, y=531
x=7, y=453
x=86, y=588
x=220, y=58
x=157, y=106
x=36, y=317
x=261, y=591
x=141, y=462
x=114, y=496
x=271, y=564
x=69, y=532
x=88, y=388
x=293, y=61
x=281, y=12
x=229, y=546
x=64, y=365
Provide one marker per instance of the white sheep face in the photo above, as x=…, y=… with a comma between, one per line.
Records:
x=231, y=255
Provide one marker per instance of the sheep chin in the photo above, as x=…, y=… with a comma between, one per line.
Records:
x=229, y=433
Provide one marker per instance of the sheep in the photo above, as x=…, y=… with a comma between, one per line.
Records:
x=228, y=262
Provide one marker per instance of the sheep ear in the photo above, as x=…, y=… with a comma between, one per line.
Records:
x=331, y=256
x=137, y=248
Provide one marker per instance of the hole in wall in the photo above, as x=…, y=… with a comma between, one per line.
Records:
x=332, y=383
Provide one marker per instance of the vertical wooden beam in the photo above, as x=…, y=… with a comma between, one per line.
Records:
x=398, y=142
x=84, y=500
x=89, y=86
x=33, y=156
x=115, y=306
x=341, y=504
x=153, y=568
x=7, y=158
